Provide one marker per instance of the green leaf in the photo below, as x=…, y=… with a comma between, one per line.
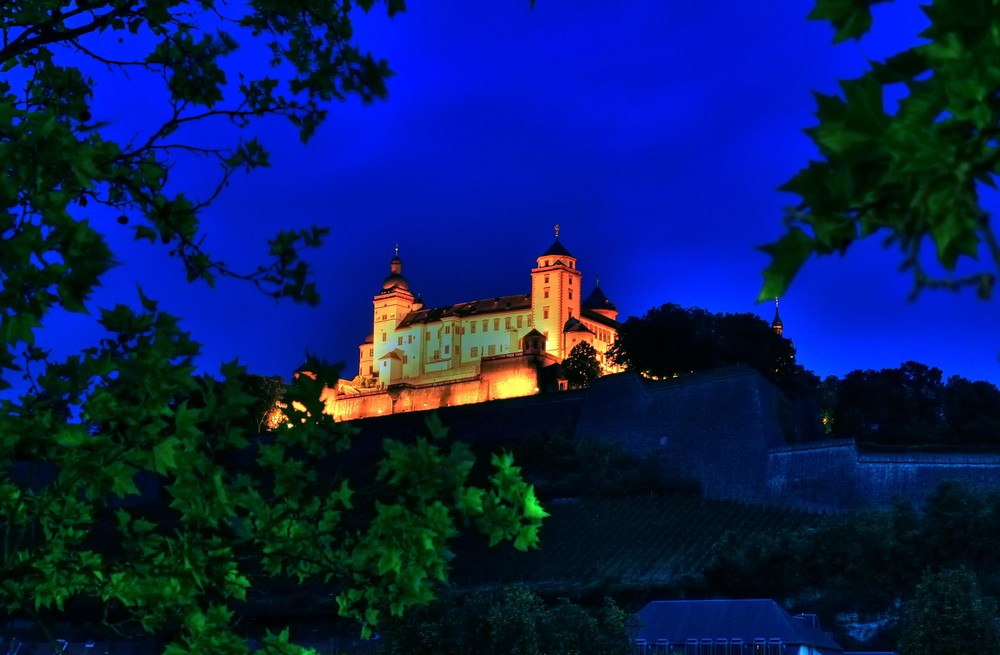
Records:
x=851, y=18
x=787, y=256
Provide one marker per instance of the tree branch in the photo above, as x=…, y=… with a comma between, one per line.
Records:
x=50, y=32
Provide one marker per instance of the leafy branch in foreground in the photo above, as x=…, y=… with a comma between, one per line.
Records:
x=131, y=498
x=915, y=174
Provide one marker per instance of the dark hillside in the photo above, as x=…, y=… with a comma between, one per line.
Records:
x=620, y=543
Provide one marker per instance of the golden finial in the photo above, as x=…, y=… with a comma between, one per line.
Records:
x=776, y=303
x=557, y=230
x=598, y=281
x=397, y=248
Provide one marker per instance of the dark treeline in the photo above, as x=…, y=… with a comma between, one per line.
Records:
x=912, y=405
x=909, y=405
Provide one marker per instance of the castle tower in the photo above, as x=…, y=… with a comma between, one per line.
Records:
x=776, y=324
x=391, y=304
x=599, y=303
x=555, y=295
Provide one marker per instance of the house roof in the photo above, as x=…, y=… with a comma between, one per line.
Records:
x=574, y=325
x=466, y=309
x=395, y=353
x=680, y=620
x=591, y=315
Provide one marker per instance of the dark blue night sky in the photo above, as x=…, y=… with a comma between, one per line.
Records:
x=655, y=133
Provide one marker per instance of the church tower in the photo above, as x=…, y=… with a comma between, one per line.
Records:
x=393, y=303
x=776, y=324
x=555, y=295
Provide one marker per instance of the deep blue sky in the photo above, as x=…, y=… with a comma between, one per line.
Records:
x=655, y=133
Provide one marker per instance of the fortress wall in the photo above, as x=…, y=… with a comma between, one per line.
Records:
x=836, y=476
x=348, y=408
x=410, y=399
x=508, y=377
x=886, y=477
x=715, y=426
x=822, y=476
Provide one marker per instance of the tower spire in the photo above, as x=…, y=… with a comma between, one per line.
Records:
x=557, y=230
x=776, y=324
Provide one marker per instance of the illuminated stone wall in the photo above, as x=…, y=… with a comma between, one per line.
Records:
x=509, y=376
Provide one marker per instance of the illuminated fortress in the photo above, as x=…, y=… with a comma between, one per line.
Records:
x=417, y=358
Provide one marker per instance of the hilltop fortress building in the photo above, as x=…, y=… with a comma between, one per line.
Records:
x=417, y=358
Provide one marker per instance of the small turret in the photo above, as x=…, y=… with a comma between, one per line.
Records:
x=599, y=303
x=776, y=324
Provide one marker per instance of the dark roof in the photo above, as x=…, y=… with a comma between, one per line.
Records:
x=591, y=315
x=597, y=300
x=574, y=325
x=680, y=620
x=467, y=309
x=557, y=250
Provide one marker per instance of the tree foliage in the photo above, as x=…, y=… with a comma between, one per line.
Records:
x=912, y=405
x=670, y=340
x=130, y=496
x=873, y=562
x=949, y=616
x=512, y=620
x=913, y=173
x=581, y=366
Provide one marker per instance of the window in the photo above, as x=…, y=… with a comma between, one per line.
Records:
x=520, y=321
x=546, y=293
x=691, y=647
x=774, y=647
x=506, y=323
x=383, y=337
x=447, y=349
x=571, y=313
x=371, y=370
x=447, y=329
x=427, y=336
x=496, y=324
x=437, y=354
x=571, y=284
x=486, y=325
x=493, y=350
x=571, y=294
x=546, y=278
x=385, y=316
x=531, y=320
x=545, y=312
x=409, y=338
x=405, y=359
x=399, y=340
x=472, y=327
x=475, y=351
x=371, y=352
x=547, y=262
x=720, y=647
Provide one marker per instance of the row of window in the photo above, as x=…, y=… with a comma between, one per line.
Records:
x=545, y=293
x=712, y=647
